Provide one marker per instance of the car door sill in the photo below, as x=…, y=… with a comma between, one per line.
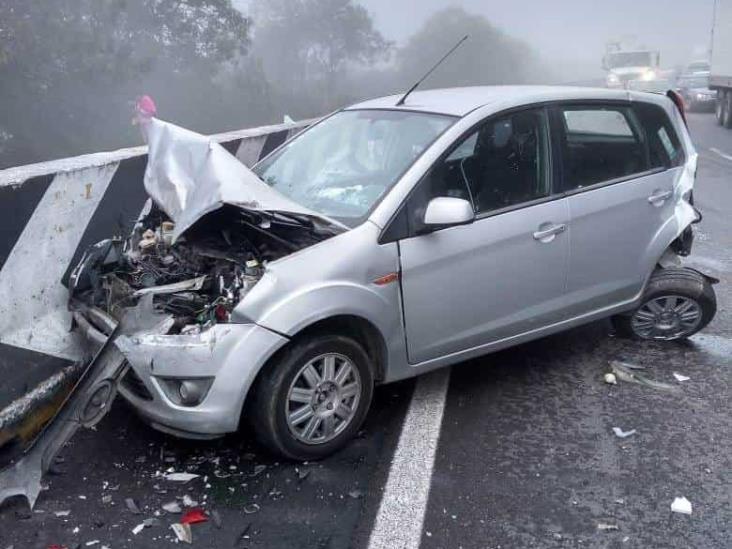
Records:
x=510, y=341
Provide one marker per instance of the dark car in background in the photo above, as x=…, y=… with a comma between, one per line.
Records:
x=694, y=88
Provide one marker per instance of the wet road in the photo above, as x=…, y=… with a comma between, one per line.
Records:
x=526, y=454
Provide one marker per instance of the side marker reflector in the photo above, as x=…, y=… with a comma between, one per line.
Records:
x=386, y=279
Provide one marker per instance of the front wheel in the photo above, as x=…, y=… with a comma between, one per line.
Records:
x=312, y=400
x=677, y=304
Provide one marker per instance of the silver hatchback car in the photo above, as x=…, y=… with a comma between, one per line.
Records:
x=388, y=240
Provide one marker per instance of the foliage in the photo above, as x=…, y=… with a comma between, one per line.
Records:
x=489, y=56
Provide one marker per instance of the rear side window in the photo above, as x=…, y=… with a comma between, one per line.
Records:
x=664, y=145
x=599, y=143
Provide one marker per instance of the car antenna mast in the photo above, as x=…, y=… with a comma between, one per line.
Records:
x=456, y=46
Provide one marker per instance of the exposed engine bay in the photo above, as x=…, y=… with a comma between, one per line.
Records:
x=199, y=278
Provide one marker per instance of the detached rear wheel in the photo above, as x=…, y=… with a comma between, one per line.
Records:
x=313, y=400
x=676, y=305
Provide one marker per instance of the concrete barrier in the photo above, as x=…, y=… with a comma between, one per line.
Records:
x=49, y=214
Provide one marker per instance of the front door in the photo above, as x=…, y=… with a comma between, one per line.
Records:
x=502, y=275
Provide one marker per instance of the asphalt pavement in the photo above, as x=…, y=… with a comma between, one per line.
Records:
x=526, y=455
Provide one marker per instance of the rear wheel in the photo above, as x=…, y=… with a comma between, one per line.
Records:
x=677, y=304
x=314, y=398
x=719, y=107
x=727, y=110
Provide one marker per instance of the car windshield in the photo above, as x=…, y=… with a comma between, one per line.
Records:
x=342, y=166
x=630, y=59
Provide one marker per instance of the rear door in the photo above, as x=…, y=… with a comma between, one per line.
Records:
x=620, y=190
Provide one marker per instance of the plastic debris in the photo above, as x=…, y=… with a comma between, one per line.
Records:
x=65, y=513
x=181, y=477
x=188, y=501
x=610, y=379
x=194, y=516
x=355, y=494
x=251, y=508
x=172, y=507
x=679, y=377
x=623, y=434
x=183, y=532
x=258, y=470
x=106, y=499
x=132, y=506
x=92, y=542
x=629, y=372
x=606, y=527
x=139, y=528
x=681, y=505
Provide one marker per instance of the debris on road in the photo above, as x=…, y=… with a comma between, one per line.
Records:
x=172, y=507
x=251, y=509
x=355, y=494
x=139, y=528
x=194, y=516
x=181, y=477
x=681, y=505
x=629, y=372
x=623, y=434
x=607, y=527
x=183, y=532
x=64, y=513
x=188, y=501
x=610, y=379
x=132, y=506
x=679, y=377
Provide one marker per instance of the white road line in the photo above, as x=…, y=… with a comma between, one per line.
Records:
x=720, y=153
x=399, y=521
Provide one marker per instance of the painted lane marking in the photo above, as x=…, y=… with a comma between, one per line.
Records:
x=720, y=153
x=401, y=513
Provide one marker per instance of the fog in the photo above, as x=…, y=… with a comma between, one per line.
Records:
x=570, y=35
x=70, y=70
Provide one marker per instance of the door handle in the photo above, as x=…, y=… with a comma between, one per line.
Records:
x=546, y=235
x=659, y=197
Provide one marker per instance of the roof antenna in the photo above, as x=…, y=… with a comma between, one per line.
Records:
x=456, y=46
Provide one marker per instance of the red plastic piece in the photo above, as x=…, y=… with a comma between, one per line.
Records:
x=194, y=516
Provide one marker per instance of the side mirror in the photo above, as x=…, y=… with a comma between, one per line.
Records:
x=445, y=211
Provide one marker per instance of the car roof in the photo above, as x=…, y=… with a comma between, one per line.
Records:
x=461, y=101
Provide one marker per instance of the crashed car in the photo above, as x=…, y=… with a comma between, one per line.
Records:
x=391, y=238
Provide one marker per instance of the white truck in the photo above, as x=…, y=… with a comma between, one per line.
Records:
x=624, y=66
x=720, y=77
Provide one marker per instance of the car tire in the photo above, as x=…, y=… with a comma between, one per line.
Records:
x=719, y=107
x=676, y=304
x=281, y=392
x=727, y=110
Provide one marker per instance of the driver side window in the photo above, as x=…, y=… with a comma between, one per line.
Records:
x=504, y=162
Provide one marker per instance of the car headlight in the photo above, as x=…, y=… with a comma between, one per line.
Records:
x=612, y=78
x=648, y=75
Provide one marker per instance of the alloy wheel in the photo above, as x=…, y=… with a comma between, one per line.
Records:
x=323, y=398
x=667, y=317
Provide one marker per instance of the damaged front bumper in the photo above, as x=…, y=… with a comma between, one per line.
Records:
x=188, y=385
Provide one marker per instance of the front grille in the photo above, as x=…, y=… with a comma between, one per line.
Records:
x=134, y=384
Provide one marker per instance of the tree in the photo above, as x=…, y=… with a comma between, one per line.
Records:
x=488, y=57
x=307, y=46
x=69, y=68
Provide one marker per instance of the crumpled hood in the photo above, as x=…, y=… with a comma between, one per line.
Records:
x=189, y=175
